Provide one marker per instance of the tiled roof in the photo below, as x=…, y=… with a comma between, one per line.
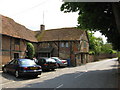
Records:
x=60, y=34
x=13, y=29
x=45, y=50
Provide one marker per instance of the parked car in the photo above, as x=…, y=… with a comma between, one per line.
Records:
x=47, y=63
x=21, y=67
x=60, y=62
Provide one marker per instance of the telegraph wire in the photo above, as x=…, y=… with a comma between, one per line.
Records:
x=38, y=5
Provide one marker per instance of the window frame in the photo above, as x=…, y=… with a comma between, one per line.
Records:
x=66, y=44
x=62, y=44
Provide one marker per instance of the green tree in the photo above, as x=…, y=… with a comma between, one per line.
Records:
x=95, y=44
x=30, y=51
x=94, y=16
x=106, y=48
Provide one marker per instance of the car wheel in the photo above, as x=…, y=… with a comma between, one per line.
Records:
x=53, y=69
x=17, y=74
x=58, y=65
x=4, y=70
x=35, y=76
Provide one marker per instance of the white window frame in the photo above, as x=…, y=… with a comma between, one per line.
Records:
x=67, y=44
x=62, y=44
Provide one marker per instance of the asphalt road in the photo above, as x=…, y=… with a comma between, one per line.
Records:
x=101, y=74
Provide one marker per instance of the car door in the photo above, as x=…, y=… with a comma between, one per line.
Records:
x=9, y=66
x=41, y=62
x=14, y=66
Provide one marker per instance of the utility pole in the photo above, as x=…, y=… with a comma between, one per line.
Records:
x=58, y=45
x=43, y=17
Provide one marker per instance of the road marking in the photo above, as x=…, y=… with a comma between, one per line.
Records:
x=59, y=86
x=94, y=67
x=44, y=75
x=80, y=74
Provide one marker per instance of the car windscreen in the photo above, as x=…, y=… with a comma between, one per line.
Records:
x=50, y=60
x=56, y=58
x=27, y=62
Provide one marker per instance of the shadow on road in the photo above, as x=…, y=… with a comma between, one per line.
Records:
x=90, y=79
x=115, y=65
x=11, y=77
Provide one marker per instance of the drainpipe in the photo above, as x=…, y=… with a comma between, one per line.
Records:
x=70, y=52
x=58, y=48
x=10, y=47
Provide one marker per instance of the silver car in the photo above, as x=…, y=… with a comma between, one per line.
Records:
x=60, y=62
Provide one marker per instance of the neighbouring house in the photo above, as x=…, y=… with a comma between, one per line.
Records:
x=14, y=39
x=67, y=43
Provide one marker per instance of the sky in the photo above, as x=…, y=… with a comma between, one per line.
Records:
x=33, y=13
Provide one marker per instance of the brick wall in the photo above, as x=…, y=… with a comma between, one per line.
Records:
x=5, y=57
x=68, y=52
x=5, y=43
x=5, y=49
x=64, y=52
x=101, y=56
x=9, y=48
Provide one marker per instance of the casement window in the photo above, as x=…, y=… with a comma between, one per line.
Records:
x=17, y=41
x=67, y=45
x=48, y=45
x=62, y=44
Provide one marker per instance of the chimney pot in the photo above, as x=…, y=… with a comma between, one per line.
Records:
x=42, y=27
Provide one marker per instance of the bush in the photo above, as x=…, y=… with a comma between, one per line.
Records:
x=30, y=51
x=110, y=51
x=92, y=52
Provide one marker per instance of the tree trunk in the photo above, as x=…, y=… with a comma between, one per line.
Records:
x=116, y=11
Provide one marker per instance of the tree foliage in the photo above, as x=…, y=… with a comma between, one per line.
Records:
x=106, y=48
x=96, y=16
x=30, y=51
x=96, y=45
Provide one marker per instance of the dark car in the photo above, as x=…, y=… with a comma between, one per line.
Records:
x=60, y=62
x=20, y=67
x=47, y=63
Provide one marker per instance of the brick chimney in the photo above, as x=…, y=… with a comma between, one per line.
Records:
x=42, y=28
